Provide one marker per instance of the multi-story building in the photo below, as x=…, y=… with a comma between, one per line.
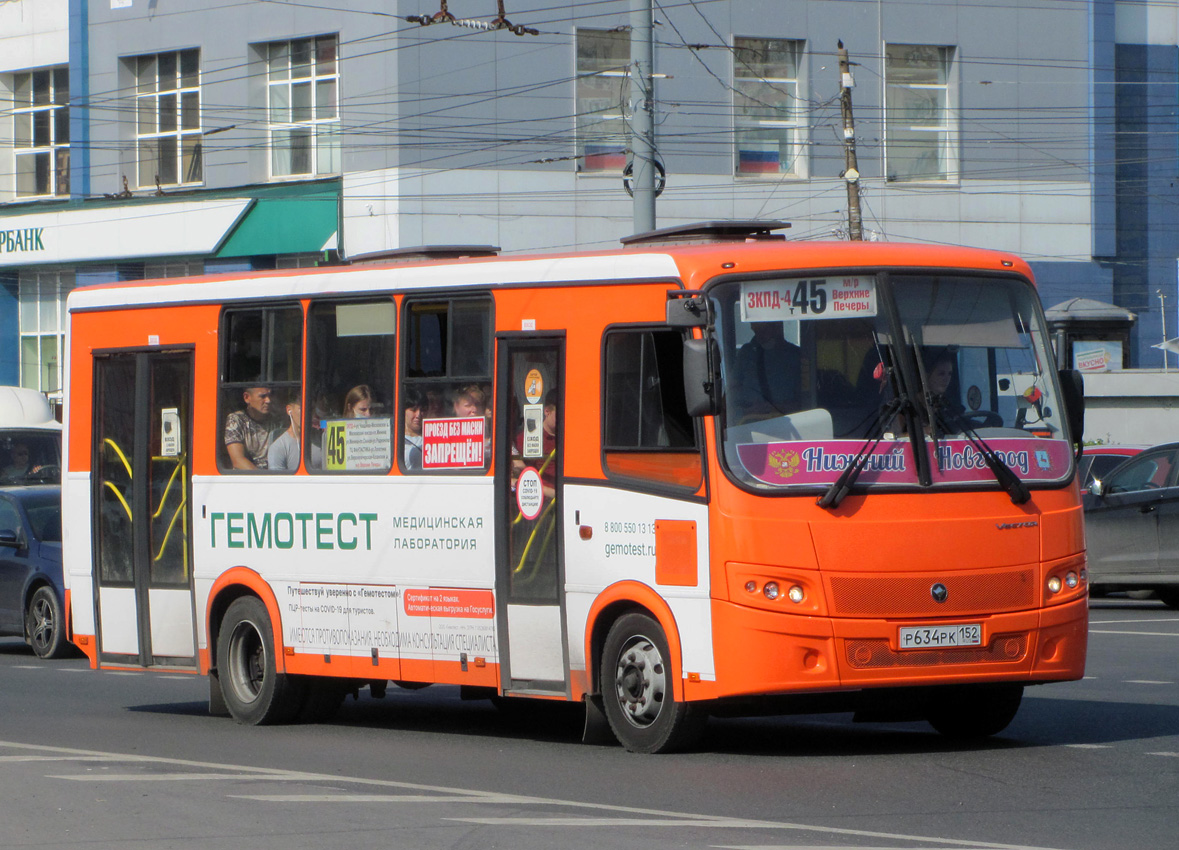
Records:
x=140, y=138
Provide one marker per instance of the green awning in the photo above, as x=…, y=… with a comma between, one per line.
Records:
x=303, y=223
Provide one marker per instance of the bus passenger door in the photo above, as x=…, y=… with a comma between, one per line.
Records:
x=530, y=575
x=141, y=475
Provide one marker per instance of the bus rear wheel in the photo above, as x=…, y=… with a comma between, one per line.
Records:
x=255, y=692
x=971, y=712
x=637, y=690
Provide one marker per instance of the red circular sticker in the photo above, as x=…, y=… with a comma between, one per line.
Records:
x=529, y=493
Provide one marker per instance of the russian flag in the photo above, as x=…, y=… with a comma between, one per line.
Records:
x=604, y=158
x=765, y=161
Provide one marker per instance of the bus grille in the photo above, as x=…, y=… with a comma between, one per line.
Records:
x=875, y=653
x=910, y=596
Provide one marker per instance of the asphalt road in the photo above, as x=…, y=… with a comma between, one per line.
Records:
x=108, y=760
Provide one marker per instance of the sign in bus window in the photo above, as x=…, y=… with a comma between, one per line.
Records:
x=808, y=298
x=358, y=445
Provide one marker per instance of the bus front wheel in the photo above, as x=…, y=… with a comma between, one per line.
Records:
x=637, y=690
x=255, y=692
x=974, y=711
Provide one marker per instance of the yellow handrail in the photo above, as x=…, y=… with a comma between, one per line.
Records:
x=119, y=495
x=108, y=441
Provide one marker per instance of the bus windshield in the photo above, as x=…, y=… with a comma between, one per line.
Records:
x=923, y=374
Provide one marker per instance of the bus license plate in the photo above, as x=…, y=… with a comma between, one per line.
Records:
x=941, y=637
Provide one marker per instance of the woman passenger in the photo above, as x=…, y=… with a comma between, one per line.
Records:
x=358, y=404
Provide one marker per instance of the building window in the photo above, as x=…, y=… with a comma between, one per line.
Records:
x=602, y=90
x=766, y=113
x=919, y=131
x=168, y=118
x=303, y=106
x=41, y=132
x=42, y=297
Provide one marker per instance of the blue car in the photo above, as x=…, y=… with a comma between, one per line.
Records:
x=31, y=592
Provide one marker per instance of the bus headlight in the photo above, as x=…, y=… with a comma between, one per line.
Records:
x=1071, y=579
x=795, y=594
x=771, y=590
x=1054, y=584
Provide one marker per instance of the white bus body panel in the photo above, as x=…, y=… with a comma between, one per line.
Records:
x=120, y=627
x=77, y=550
x=622, y=548
x=532, y=652
x=171, y=622
x=341, y=553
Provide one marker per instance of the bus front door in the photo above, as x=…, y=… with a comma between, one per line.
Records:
x=141, y=473
x=530, y=586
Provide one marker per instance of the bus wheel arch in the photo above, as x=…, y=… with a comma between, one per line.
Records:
x=229, y=587
x=612, y=604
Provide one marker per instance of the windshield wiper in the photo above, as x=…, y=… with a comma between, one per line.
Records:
x=843, y=484
x=1008, y=480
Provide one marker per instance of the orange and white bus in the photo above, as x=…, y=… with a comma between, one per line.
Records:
x=710, y=472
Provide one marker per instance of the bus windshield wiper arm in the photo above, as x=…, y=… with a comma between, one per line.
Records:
x=843, y=484
x=1008, y=480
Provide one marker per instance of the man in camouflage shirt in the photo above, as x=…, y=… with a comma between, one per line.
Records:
x=248, y=433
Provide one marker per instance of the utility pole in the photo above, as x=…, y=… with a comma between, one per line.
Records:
x=851, y=171
x=642, y=97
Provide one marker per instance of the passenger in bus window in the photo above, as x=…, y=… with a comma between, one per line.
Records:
x=322, y=410
x=435, y=404
x=358, y=404
x=285, y=451
x=468, y=401
x=768, y=367
x=248, y=432
x=411, y=401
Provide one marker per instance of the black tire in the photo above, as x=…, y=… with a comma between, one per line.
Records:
x=45, y=625
x=1169, y=596
x=323, y=699
x=972, y=712
x=255, y=692
x=637, y=683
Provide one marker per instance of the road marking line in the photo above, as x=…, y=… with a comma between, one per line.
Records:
x=182, y=777
x=642, y=816
x=816, y=847
x=59, y=758
x=1140, y=634
x=1145, y=682
x=374, y=798
x=1172, y=755
x=1090, y=746
x=1122, y=622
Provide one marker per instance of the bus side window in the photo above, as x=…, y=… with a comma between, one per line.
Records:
x=647, y=432
x=446, y=363
x=261, y=371
x=351, y=346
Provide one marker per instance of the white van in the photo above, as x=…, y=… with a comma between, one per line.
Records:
x=30, y=438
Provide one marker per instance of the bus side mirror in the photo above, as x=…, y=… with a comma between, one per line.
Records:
x=686, y=309
x=699, y=383
x=1072, y=387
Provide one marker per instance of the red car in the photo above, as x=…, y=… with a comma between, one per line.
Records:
x=1098, y=461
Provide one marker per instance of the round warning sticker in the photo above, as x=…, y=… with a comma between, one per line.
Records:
x=534, y=386
x=529, y=494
